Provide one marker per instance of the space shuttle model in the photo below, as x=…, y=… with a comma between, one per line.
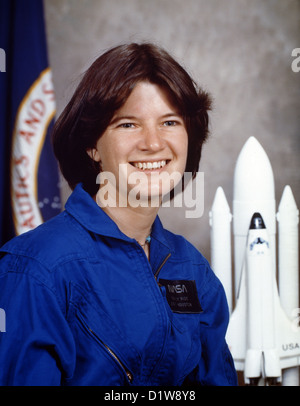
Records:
x=263, y=333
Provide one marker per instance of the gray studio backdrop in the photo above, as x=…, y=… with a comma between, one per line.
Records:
x=239, y=50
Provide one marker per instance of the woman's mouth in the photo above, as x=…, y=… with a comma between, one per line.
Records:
x=145, y=165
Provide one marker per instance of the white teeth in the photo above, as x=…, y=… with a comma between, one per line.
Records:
x=150, y=165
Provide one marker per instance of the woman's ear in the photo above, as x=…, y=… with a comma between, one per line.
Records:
x=94, y=154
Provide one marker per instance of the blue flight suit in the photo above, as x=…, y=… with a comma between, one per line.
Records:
x=84, y=306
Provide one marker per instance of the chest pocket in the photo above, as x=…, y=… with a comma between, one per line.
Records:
x=104, y=356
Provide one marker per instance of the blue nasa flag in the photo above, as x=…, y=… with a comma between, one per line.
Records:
x=29, y=180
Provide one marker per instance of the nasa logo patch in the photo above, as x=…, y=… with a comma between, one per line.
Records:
x=182, y=296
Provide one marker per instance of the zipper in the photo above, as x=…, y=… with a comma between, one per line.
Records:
x=110, y=351
x=160, y=266
x=128, y=373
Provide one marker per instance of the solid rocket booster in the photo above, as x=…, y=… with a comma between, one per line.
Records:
x=220, y=219
x=288, y=264
x=288, y=254
x=253, y=191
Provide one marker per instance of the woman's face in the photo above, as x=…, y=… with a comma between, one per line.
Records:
x=145, y=144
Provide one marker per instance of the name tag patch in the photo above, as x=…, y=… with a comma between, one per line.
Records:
x=182, y=296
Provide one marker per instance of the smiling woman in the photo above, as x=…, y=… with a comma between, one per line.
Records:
x=148, y=142
x=107, y=295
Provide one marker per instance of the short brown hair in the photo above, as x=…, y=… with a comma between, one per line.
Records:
x=105, y=87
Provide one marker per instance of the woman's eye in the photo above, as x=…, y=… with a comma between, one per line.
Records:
x=126, y=125
x=170, y=123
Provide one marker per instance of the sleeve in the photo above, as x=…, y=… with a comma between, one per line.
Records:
x=37, y=346
x=216, y=367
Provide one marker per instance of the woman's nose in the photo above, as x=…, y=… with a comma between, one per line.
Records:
x=152, y=140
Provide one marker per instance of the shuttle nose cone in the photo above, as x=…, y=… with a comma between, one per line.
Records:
x=253, y=176
x=257, y=222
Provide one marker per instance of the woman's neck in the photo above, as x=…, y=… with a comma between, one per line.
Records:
x=135, y=222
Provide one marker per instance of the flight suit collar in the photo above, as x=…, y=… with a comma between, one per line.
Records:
x=85, y=210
